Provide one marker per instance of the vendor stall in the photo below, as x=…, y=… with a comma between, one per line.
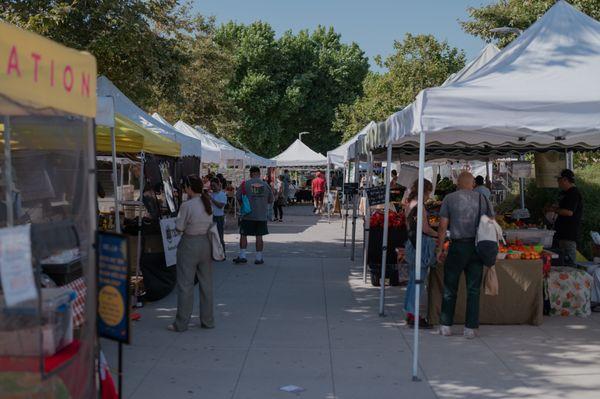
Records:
x=540, y=93
x=47, y=218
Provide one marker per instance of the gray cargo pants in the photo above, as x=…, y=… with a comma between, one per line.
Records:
x=194, y=259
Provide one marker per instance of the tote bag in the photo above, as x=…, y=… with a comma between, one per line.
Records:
x=218, y=252
x=245, y=207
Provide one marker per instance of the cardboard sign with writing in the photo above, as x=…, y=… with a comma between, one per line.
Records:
x=170, y=238
x=113, y=287
x=376, y=195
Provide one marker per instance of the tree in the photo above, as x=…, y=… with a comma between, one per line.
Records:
x=132, y=40
x=282, y=86
x=517, y=14
x=419, y=62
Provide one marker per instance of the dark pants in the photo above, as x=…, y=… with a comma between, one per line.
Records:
x=220, y=221
x=278, y=209
x=462, y=257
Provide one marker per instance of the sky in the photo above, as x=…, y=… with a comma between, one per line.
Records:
x=373, y=24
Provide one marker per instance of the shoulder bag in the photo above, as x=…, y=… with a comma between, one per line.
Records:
x=218, y=252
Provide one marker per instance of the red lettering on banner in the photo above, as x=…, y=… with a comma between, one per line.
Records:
x=52, y=73
x=13, y=62
x=36, y=63
x=85, y=84
x=68, y=86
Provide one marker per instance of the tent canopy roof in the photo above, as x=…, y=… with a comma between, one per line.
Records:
x=130, y=110
x=542, y=88
x=211, y=153
x=339, y=155
x=299, y=154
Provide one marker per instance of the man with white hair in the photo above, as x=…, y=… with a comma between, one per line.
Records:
x=460, y=213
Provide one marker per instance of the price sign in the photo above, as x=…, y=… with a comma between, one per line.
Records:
x=376, y=195
x=113, y=287
x=521, y=170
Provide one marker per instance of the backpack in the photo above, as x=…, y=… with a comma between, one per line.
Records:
x=489, y=233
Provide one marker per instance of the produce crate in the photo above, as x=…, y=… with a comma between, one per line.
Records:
x=531, y=236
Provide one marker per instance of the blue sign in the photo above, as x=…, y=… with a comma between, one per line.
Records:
x=113, y=287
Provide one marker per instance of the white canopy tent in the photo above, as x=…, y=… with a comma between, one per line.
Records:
x=126, y=107
x=212, y=151
x=339, y=155
x=228, y=151
x=299, y=154
x=256, y=160
x=542, y=91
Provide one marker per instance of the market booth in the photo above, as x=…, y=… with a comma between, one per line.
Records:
x=47, y=217
x=542, y=92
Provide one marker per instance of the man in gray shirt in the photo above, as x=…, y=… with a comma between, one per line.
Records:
x=461, y=212
x=254, y=223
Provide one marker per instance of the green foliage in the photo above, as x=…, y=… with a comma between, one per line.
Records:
x=282, y=86
x=517, y=14
x=419, y=62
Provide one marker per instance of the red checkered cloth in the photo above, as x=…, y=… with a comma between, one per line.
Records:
x=79, y=304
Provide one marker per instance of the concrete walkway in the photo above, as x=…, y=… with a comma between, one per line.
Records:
x=305, y=318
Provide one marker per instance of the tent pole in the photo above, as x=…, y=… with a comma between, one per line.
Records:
x=386, y=214
x=8, y=176
x=346, y=177
x=355, y=199
x=115, y=180
x=522, y=185
x=328, y=179
x=418, y=255
x=139, y=240
x=367, y=218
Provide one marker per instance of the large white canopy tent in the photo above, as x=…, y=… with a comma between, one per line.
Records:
x=298, y=155
x=126, y=107
x=213, y=152
x=542, y=91
x=228, y=151
x=256, y=160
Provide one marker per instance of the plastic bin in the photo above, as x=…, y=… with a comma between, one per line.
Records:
x=531, y=236
x=20, y=327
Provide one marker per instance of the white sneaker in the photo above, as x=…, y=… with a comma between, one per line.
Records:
x=470, y=333
x=445, y=331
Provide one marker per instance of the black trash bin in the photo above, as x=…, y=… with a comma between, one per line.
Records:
x=396, y=239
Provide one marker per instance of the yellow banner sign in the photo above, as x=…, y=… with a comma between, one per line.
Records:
x=37, y=72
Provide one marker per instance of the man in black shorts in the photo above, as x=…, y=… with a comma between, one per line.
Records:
x=254, y=223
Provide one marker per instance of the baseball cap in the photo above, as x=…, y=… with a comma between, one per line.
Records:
x=567, y=174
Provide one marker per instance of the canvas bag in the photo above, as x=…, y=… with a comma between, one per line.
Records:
x=491, y=282
x=245, y=207
x=489, y=233
x=218, y=252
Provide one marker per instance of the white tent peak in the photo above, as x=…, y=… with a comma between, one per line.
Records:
x=544, y=84
x=128, y=108
x=488, y=52
x=299, y=154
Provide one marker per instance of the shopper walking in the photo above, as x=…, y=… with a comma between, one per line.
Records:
x=461, y=212
x=279, y=195
x=428, y=258
x=318, y=192
x=481, y=188
x=194, y=257
x=218, y=200
x=254, y=223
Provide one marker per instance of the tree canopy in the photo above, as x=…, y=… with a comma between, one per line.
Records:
x=420, y=61
x=282, y=86
x=515, y=14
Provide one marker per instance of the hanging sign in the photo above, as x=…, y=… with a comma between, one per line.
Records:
x=113, y=287
x=170, y=239
x=521, y=170
x=16, y=271
x=376, y=195
x=40, y=73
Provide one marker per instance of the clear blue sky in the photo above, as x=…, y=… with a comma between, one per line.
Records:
x=373, y=24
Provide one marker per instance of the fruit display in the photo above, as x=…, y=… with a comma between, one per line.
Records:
x=516, y=250
x=396, y=220
x=508, y=224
